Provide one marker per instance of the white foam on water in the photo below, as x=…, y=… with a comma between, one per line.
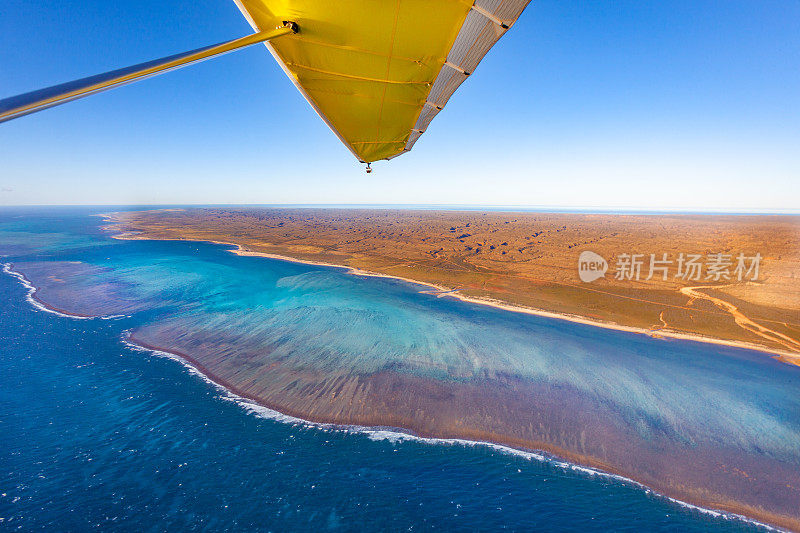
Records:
x=397, y=436
x=392, y=435
x=32, y=290
x=8, y=269
x=113, y=317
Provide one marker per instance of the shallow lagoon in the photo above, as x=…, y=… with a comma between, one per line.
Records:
x=320, y=320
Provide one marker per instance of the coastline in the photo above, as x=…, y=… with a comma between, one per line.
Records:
x=783, y=356
x=36, y=302
x=261, y=408
x=441, y=291
x=546, y=453
x=556, y=457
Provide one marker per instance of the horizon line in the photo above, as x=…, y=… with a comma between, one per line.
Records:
x=447, y=207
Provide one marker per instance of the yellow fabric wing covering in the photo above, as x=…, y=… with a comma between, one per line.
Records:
x=378, y=71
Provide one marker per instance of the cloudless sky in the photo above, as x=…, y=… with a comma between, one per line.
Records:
x=620, y=103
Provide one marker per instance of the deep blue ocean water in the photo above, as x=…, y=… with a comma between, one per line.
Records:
x=96, y=434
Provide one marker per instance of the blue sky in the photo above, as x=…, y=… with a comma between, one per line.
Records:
x=681, y=104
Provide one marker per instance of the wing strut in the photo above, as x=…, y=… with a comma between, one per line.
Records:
x=23, y=104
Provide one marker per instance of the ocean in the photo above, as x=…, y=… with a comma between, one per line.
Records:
x=96, y=432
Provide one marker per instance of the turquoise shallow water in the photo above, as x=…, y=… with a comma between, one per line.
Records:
x=96, y=432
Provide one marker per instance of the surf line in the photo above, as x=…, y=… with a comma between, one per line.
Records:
x=395, y=435
x=8, y=268
x=374, y=433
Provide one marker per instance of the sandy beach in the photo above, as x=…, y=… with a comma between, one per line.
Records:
x=318, y=345
x=527, y=262
x=391, y=416
x=792, y=357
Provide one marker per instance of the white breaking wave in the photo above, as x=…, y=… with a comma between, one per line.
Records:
x=7, y=268
x=396, y=435
x=32, y=290
x=393, y=435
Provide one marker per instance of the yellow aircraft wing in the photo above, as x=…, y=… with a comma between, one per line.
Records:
x=378, y=71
